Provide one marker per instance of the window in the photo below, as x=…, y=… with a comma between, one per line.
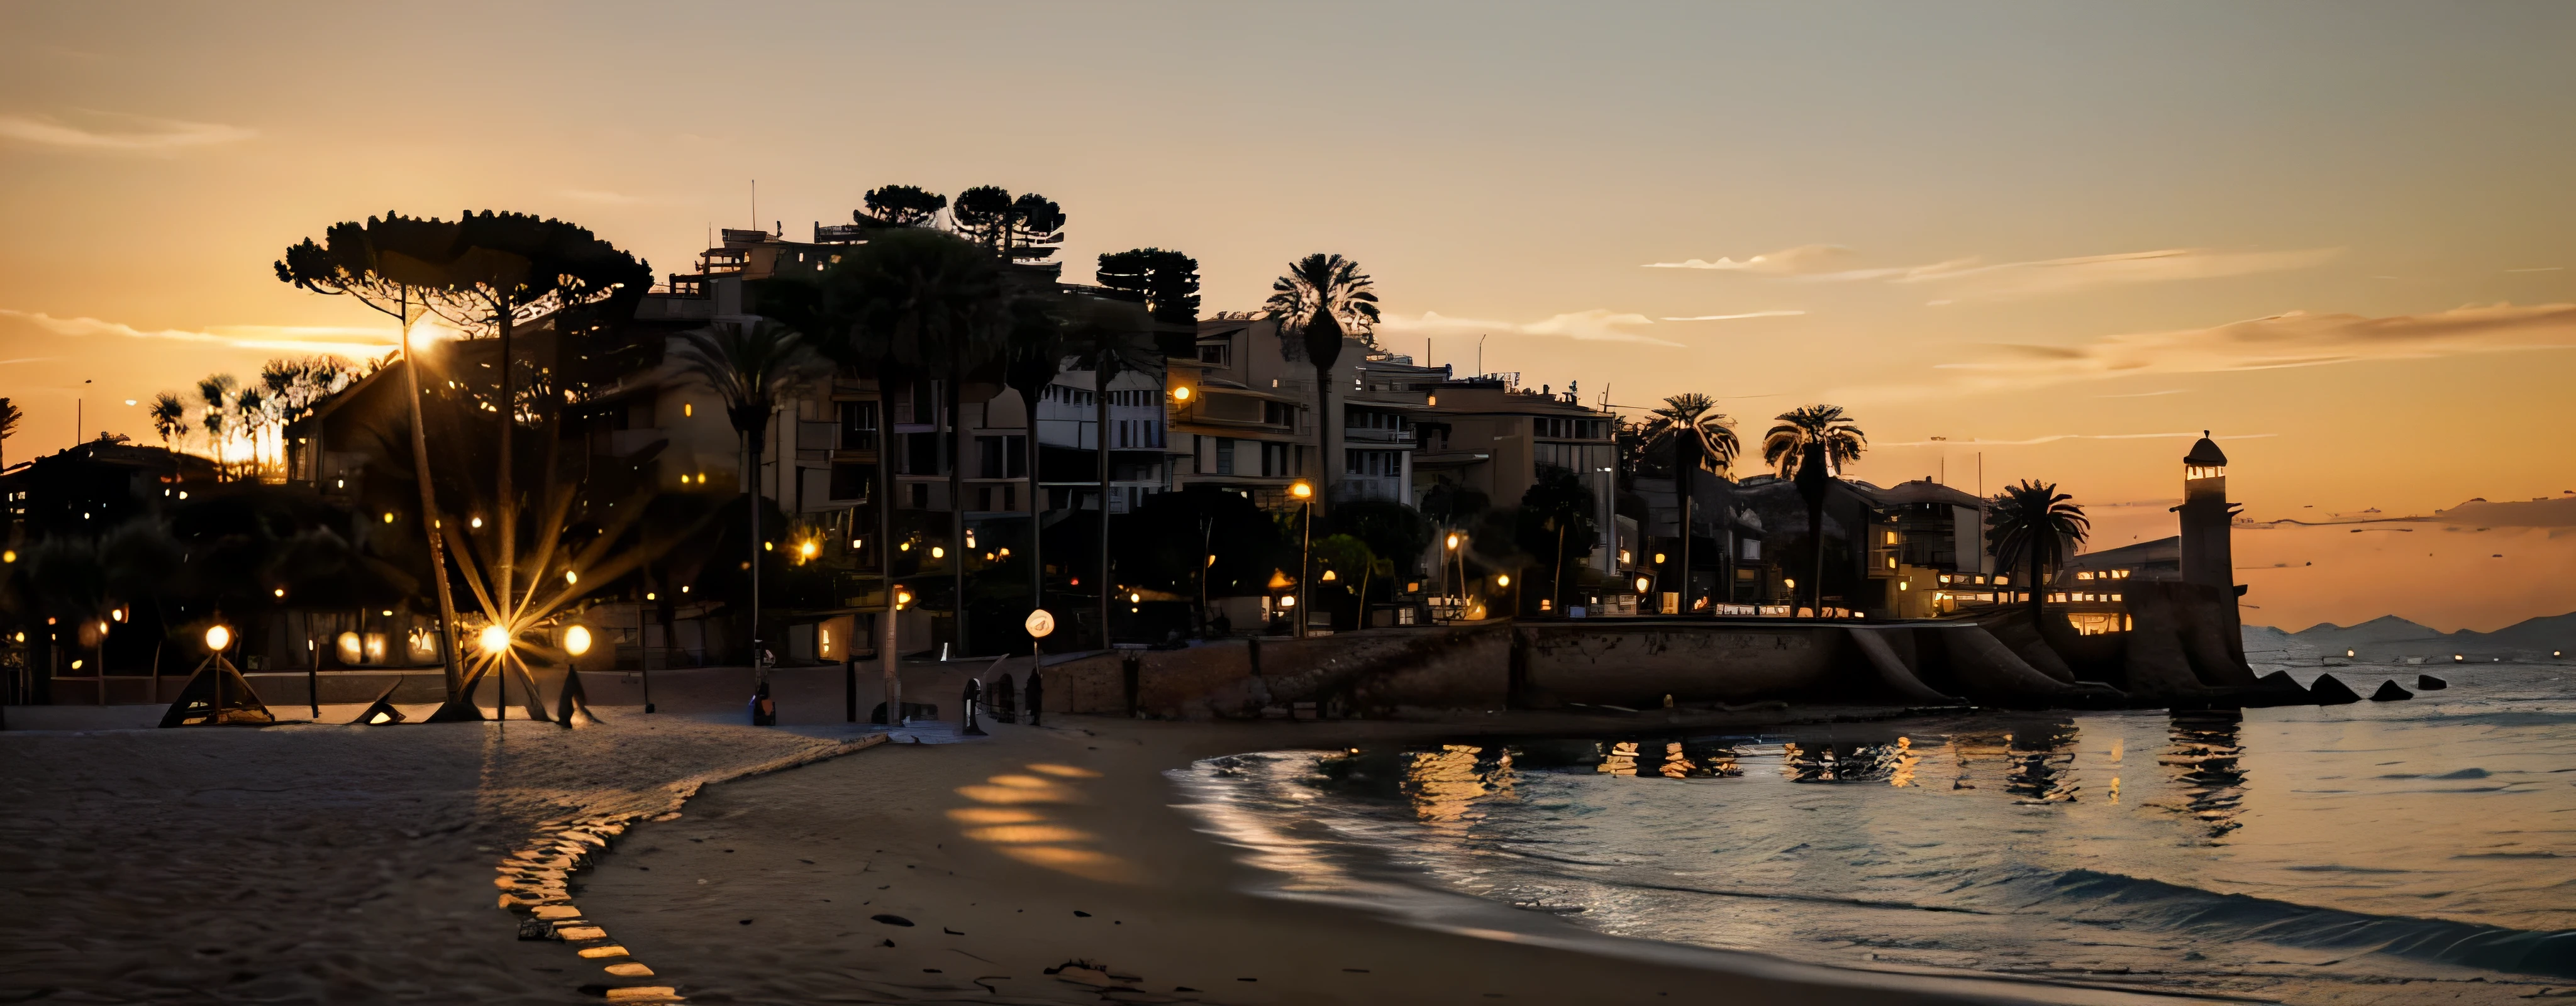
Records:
x=1215, y=353
x=1278, y=414
x=1376, y=464
x=851, y=482
x=1275, y=460
x=920, y=496
x=925, y=402
x=921, y=454
x=858, y=426
x=1003, y=457
x=1225, y=455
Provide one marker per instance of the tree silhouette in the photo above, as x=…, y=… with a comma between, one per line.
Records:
x=1169, y=283
x=1696, y=435
x=902, y=206
x=2035, y=524
x=749, y=366
x=1321, y=299
x=1109, y=338
x=10, y=416
x=1033, y=353
x=1810, y=445
x=169, y=417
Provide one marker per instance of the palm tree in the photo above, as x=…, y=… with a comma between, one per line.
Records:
x=1322, y=299
x=1811, y=445
x=10, y=416
x=216, y=392
x=748, y=365
x=250, y=415
x=1699, y=436
x=1033, y=354
x=890, y=307
x=1110, y=338
x=169, y=417
x=2035, y=523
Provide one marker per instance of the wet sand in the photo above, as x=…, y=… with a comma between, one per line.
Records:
x=316, y=863
x=1049, y=865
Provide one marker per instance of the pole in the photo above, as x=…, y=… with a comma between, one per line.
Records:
x=850, y=689
x=312, y=672
x=1305, y=563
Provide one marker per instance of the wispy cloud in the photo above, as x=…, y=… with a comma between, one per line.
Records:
x=607, y=198
x=2295, y=339
x=1596, y=325
x=1975, y=278
x=2149, y=394
x=1733, y=317
x=2055, y=437
x=344, y=340
x=1803, y=260
x=142, y=135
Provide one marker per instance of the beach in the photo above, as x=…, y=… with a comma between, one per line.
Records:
x=332, y=863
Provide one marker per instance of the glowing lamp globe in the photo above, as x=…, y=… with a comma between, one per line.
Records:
x=577, y=640
x=494, y=639
x=218, y=637
x=1301, y=490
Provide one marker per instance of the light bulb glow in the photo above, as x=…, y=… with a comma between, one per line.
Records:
x=937, y=552
x=1503, y=580
x=218, y=637
x=577, y=640
x=571, y=577
x=494, y=639
x=1453, y=541
x=1301, y=490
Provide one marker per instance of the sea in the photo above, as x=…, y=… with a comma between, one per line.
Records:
x=2382, y=852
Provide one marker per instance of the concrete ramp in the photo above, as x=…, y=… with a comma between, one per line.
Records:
x=1992, y=673
x=1891, y=669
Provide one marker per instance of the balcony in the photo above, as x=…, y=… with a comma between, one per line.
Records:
x=1360, y=434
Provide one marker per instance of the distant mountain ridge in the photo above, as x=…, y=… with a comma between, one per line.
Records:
x=2389, y=636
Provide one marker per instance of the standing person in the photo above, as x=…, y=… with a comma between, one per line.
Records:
x=764, y=710
x=1036, y=694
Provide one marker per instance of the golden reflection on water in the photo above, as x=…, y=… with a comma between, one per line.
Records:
x=1904, y=760
x=1445, y=785
x=1007, y=818
x=1677, y=765
x=1621, y=760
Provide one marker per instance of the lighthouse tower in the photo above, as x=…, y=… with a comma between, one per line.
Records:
x=2206, y=516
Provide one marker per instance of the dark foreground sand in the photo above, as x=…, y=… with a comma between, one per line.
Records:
x=1048, y=865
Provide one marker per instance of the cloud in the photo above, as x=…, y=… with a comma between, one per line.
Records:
x=1596, y=325
x=1975, y=278
x=1732, y=317
x=2295, y=339
x=2045, y=276
x=2055, y=437
x=291, y=338
x=606, y=197
x=148, y=135
x=1798, y=261
x=2149, y=394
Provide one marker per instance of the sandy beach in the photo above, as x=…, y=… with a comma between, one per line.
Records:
x=1050, y=865
x=329, y=863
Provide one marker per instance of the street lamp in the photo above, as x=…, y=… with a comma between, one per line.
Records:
x=577, y=640
x=494, y=639
x=217, y=638
x=1305, y=495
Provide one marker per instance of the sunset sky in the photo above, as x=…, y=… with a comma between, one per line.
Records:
x=2065, y=237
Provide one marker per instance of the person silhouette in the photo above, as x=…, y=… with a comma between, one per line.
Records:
x=764, y=710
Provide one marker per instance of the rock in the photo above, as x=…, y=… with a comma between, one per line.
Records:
x=536, y=929
x=893, y=920
x=2429, y=683
x=2330, y=691
x=2389, y=692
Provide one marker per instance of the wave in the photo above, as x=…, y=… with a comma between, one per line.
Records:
x=2231, y=917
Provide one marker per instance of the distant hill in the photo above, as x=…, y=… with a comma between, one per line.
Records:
x=2389, y=637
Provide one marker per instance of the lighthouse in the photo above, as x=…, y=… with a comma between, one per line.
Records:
x=2206, y=517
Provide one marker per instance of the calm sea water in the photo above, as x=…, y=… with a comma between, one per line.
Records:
x=2380, y=852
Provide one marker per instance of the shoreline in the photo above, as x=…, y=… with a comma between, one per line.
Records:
x=1003, y=859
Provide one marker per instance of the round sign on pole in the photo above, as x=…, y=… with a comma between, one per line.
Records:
x=1040, y=623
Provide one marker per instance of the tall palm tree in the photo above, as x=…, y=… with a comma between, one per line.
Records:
x=2036, y=524
x=1699, y=435
x=748, y=365
x=1109, y=338
x=1322, y=299
x=216, y=391
x=892, y=307
x=1810, y=445
x=10, y=416
x=251, y=415
x=169, y=417
x=1033, y=354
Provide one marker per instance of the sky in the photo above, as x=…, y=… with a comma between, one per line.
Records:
x=2013, y=240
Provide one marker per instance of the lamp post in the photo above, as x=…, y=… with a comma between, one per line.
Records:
x=217, y=638
x=1305, y=494
x=1453, y=587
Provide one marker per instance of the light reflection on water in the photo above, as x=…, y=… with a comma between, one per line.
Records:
x=2304, y=853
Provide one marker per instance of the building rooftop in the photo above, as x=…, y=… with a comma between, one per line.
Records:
x=2205, y=453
